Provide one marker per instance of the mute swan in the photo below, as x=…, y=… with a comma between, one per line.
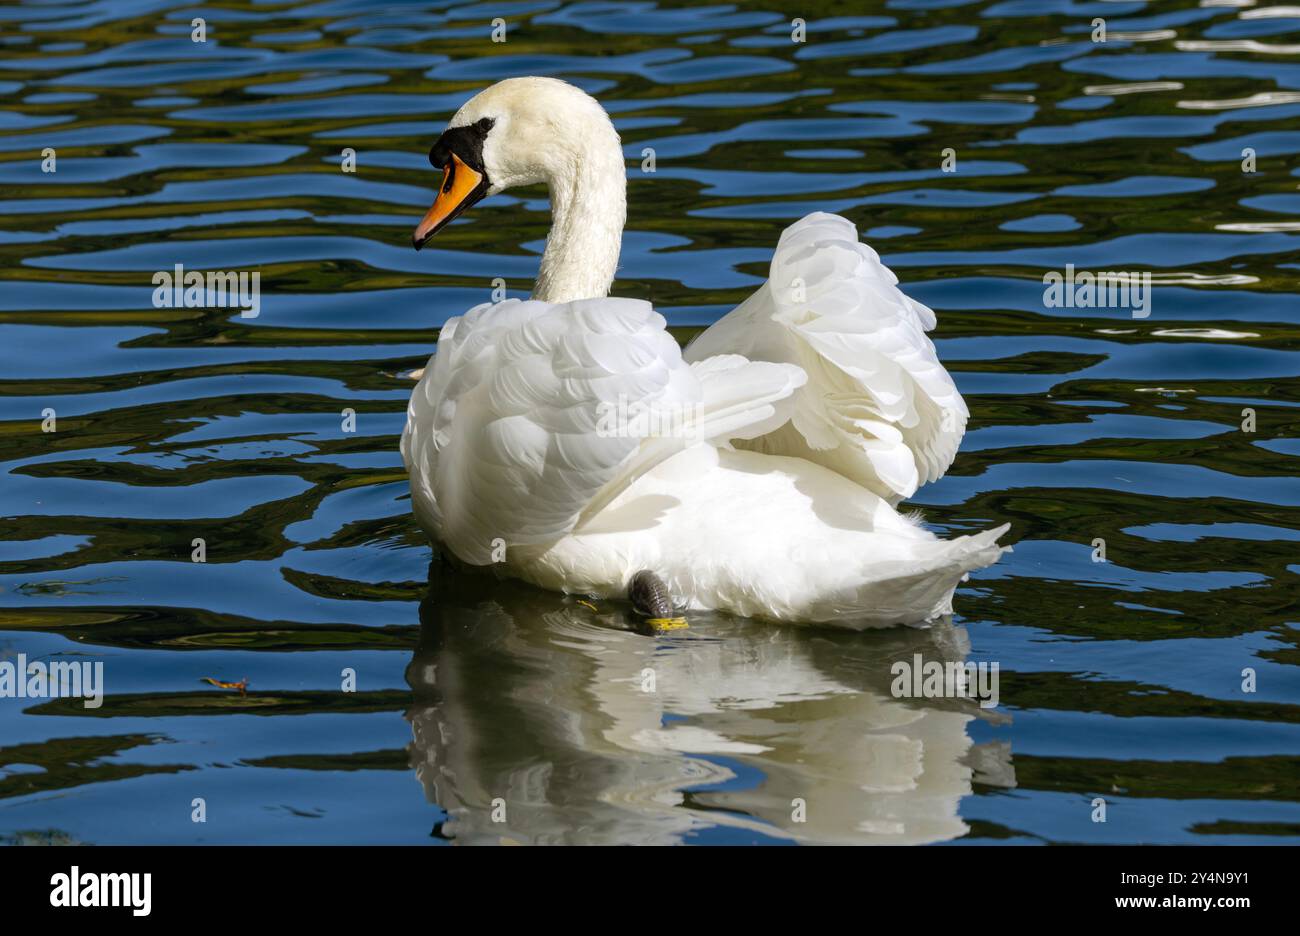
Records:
x=568, y=441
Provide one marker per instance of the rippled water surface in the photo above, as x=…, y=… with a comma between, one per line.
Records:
x=1120, y=679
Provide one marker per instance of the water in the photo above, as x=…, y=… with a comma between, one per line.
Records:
x=1121, y=680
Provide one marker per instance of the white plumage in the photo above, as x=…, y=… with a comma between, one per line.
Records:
x=878, y=407
x=572, y=444
x=514, y=430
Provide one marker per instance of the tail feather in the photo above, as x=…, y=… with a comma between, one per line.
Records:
x=915, y=590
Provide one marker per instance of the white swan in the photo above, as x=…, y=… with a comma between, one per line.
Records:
x=568, y=441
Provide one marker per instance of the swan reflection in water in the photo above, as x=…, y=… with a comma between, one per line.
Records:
x=540, y=720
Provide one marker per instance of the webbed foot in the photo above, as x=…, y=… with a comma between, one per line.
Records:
x=652, y=600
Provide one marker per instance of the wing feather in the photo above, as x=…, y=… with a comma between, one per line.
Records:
x=878, y=406
x=513, y=433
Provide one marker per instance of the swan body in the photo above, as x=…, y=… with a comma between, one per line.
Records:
x=568, y=441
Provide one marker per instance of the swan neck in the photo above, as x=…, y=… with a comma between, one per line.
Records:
x=588, y=210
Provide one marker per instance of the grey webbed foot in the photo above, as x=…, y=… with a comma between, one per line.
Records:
x=652, y=600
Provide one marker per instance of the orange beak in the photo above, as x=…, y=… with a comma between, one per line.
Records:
x=461, y=187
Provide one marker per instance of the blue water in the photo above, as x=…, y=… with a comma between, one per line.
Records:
x=486, y=711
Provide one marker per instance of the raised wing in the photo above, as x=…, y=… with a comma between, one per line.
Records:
x=878, y=407
x=531, y=415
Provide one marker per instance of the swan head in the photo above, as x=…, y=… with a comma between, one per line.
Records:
x=520, y=131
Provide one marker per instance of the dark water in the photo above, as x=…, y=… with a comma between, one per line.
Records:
x=1120, y=680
